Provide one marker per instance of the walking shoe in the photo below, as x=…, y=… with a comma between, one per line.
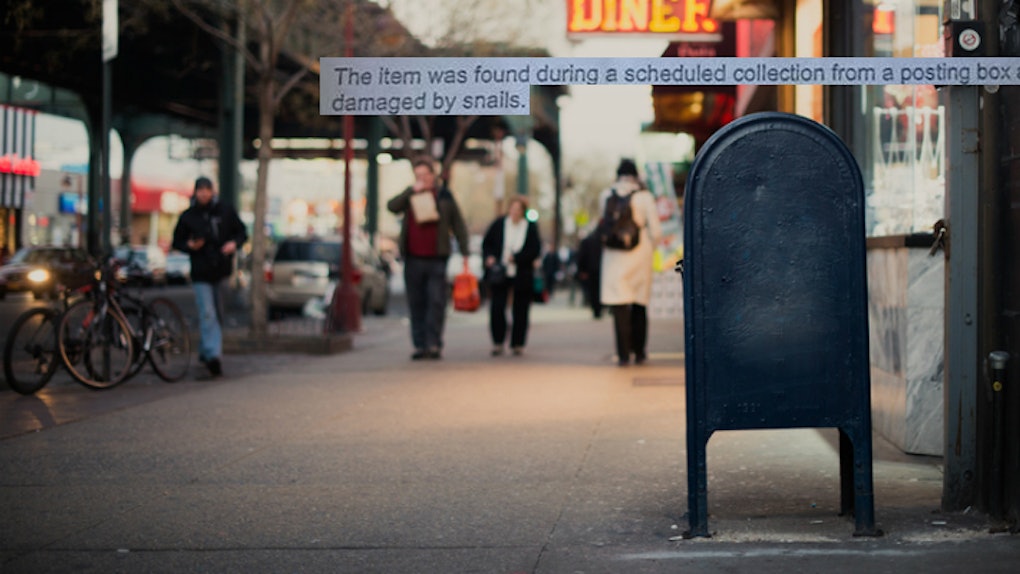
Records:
x=518, y=351
x=419, y=355
x=434, y=354
x=215, y=368
x=640, y=358
x=497, y=351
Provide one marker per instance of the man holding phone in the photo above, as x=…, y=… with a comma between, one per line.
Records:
x=211, y=233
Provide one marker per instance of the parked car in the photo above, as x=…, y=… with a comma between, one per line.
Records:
x=141, y=264
x=304, y=268
x=178, y=267
x=41, y=269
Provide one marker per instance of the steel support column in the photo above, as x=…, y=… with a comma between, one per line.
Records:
x=232, y=117
x=961, y=373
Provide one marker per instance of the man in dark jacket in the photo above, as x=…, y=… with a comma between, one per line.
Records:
x=211, y=233
x=431, y=217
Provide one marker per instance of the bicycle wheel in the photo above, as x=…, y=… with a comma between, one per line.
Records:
x=96, y=347
x=133, y=315
x=30, y=354
x=169, y=340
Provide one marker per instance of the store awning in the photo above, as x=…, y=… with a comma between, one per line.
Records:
x=154, y=198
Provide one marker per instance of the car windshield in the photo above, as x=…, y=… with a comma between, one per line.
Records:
x=326, y=252
x=35, y=255
x=129, y=254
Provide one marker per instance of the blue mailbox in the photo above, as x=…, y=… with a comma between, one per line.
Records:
x=775, y=298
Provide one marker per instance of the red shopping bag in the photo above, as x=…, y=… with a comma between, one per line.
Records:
x=466, y=296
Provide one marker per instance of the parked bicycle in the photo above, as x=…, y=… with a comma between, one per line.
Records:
x=107, y=338
x=30, y=355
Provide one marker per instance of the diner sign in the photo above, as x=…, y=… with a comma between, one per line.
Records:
x=677, y=17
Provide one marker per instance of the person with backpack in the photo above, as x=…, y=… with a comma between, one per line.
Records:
x=629, y=231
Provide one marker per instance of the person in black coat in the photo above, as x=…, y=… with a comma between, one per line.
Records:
x=509, y=250
x=211, y=233
x=589, y=269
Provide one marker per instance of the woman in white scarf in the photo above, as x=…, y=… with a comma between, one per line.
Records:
x=509, y=250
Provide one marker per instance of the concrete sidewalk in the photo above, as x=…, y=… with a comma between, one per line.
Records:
x=557, y=461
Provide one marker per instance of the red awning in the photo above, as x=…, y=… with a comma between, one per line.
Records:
x=147, y=197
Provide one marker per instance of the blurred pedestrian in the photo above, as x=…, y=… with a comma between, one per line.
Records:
x=551, y=266
x=509, y=250
x=626, y=275
x=211, y=233
x=431, y=218
x=589, y=269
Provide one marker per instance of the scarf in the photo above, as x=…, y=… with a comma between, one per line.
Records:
x=513, y=241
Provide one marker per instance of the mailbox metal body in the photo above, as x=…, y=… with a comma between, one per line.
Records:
x=775, y=297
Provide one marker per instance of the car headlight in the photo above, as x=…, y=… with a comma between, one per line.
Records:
x=38, y=276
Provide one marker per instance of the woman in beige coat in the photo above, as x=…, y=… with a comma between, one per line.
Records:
x=627, y=275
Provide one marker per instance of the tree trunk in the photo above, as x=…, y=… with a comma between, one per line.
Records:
x=267, y=113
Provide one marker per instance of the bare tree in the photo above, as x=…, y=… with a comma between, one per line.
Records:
x=269, y=22
x=302, y=30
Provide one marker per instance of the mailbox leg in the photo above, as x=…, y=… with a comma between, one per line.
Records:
x=863, y=500
x=697, y=486
x=846, y=474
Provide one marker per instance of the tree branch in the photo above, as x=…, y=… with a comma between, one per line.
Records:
x=463, y=125
x=292, y=81
x=218, y=34
x=425, y=125
x=406, y=136
x=283, y=23
x=390, y=125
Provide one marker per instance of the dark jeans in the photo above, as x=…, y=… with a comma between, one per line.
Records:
x=521, y=306
x=592, y=295
x=631, y=323
x=427, y=292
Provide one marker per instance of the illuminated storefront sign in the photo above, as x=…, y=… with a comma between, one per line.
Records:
x=640, y=16
x=12, y=163
x=18, y=166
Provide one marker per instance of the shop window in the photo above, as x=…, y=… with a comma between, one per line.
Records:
x=904, y=126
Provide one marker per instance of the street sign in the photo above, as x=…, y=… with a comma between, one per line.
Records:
x=111, y=32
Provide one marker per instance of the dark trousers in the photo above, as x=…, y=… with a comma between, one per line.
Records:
x=427, y=292
x=592, y=295
x=521, y=289
x=631, y=323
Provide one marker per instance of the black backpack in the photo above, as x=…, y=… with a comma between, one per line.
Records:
x=618, y=230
